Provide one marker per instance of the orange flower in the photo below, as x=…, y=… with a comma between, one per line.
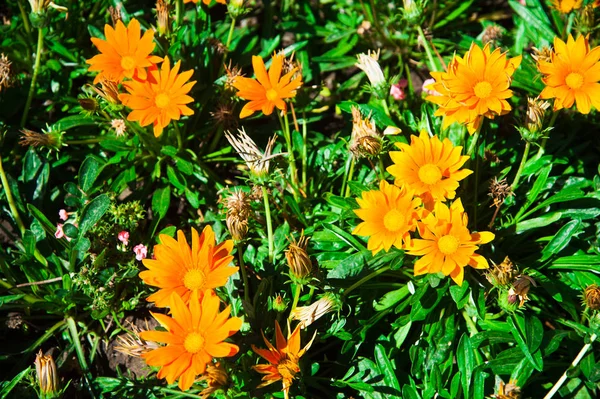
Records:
x=474, y=87
x=446, y=245
x=184, y=270
x=283, y=358
x=123, y=54
x=429, y=166
x=162, y=100
x=268, y=90
x=207, y=2
x=572, y=74
x=195, y=335
x=566, y=6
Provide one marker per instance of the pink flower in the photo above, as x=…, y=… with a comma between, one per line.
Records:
x=60, y=233
x=140, y=251
x=427, y=90
x=397, y=90
x=124, y=237
x=63, y=215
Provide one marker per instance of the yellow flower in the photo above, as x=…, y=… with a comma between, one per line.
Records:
x=475, y=86
x=446, y=245
x=572, y=75
x=566, y=6
x=389, y=215
x=429, y=166
x=195, y=335
x=268, y=90
x=184, y=270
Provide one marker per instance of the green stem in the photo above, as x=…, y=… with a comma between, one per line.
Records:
x=36, y=70
x=85, y=141
x=432, y=66
x=381, y=168
x=365, y=279
x=471, y=326
x=179, y=137
x=473, y=144
x=244, y=273
x=80, y=354
x=25, y=19
x=304, y=151
x=385, y=107
x=542, y=149
x=178, y=12
x=350, y=175
x=269, y=223
x=215, y=140
x=285, y=126
x=563, y=377
x=179, y=393
x=297, y=292
x=521, y=166
x=230, y=35
x=11, y=200
x=28, y=298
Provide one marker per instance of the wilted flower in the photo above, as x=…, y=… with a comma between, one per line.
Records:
x=47, y=376
x=499, y=190
x=256, y=160
x=591, y=297
x=216, y=378
x=503, y=274
x=109, y=91
x=508, y=391
x=238, y=211
x=115, y=14
x=370, y=65
x=536, y=108
x=365, y=141
x=53, y=139
x=119, y=126
x=162, y=17
x=232, y=72
x=298, y=260
x=543, y=54
x=40, y=6
x=307, y=315
x=520, y=289
x=141, y=251
x=5, y=74
x=131, y=344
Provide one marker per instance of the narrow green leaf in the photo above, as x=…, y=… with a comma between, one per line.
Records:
x=561, y=239
x=466, y=363
x=89, y=171
x=161, y=199
x=385, y=365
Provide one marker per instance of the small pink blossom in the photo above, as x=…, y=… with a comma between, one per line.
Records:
x=429, y=91
x=60, y=233
x=63, y=215
x=124, y=237
x=397, y=90
x=140, y=251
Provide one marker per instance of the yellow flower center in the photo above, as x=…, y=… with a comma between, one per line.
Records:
x=272, y=95
x=574, y=80
x=483, y=89
x=162, y=100
x=194, y=279
x=194, y=342
x=430, y=174
x=288, y=368
x=127, y=63
x=448, y=244
x=394, y=220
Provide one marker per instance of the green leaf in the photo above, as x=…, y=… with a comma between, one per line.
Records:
x=561, y=239
x=7, y=387
x=386, y=367
x=465, y=359
x=538, y=222
x=528, y=334
x=69, y=122
x=161, y=199
x=89, y=171
x=92, y=213
x=391, y=298
x=542, y=26
x=48, y=226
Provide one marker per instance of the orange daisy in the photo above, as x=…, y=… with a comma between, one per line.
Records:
x=123, y=54
x=566, y=6
x=446, y=245
x=268, y=90
x=283, y=358
x=207, y=2
x=389, y=215
x=163, y=99
x=475, y=86
x=429, y=166
x=184, y=270
x=572, y=74
x=195, y=335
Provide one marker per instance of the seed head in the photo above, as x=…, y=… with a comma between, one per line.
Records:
x=591, y=297
x=543, y=54
x=298, y=259
x=238, y=212
x=492, y=34
x=502, y=275
x=5, y=73
x=499, y=191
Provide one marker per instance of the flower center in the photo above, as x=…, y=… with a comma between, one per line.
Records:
x=162, y=100
x=430, y=174
x=127, y=63
x=194, y=342
x=194, y=279
x=574, y=80
x=287, y=368
x=272, y=95
x=394, y=220
x=483, y=89
x=448, y=244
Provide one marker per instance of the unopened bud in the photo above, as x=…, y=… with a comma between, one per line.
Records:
x=47, y=376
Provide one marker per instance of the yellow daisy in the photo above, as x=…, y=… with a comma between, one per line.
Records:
x=572, y=74
x=389, y=215
x=429, y=166
x=446, y=244
x=566, y=6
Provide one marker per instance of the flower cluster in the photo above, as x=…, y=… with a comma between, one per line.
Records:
x=156, y=96
x=426, y=174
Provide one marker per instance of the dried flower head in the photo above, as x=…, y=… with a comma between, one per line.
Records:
x=217, y=46
x=238, y=212
x=591, y=297
x=52, y=139
x=115, y=14
x=508, y=391
x=131, y=344
x=536, y=109
x=14, y=320
x=543, y=54
x=109, y=91
x=5, y=74
x=499, y=191
x=89, y=104
x=47, y=376
x=223, y=115
x=502, y=275
x=40, y=6
x=256, y=160
x=163, y=22
x=119, y=126
x=492, y=34
x=520, y=289
x=307, y=315
x=232, y=72
x=298, y=260
x=365, y=141
x=216, y=378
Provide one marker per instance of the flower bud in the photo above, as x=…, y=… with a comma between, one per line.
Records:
x=47, y=376
x=370, y=65
x=216, y=378
x=163, y=23
x=279, y=304
x=298, y=260
x=591, y=297
x=238, y=212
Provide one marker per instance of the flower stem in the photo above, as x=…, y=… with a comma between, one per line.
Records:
x=521, y=166
x=285, y=126
x=11, y=200
x=385, y=107
x=244, y=273
x=542, y=149
x=178, y=12
x=36, y=71
x=298, y=290
x=350, y=175
x=179, y=137
x=25, y=19
x=473, y=144
x=381, y=168
x=304, y=152
x=563, y=377
x=365, y=279
x=269, y=223
x=230, y=35
x=432, y=66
